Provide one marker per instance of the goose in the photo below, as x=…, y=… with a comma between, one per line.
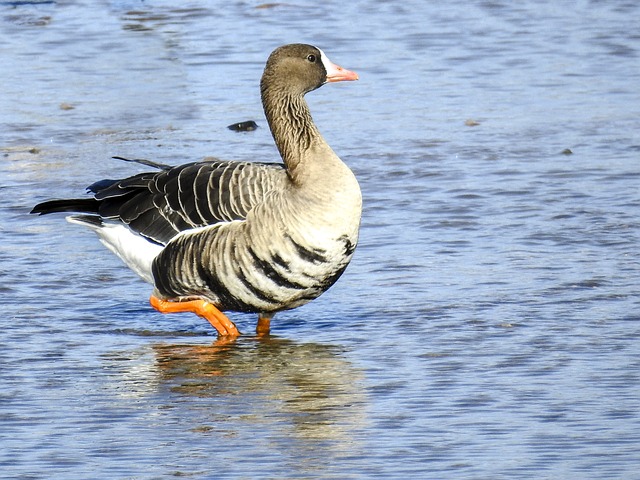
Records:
x=215, y=236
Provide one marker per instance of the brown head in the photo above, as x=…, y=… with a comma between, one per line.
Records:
x=301, y=68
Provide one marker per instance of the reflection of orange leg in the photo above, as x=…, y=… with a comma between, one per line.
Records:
x=264, y=324
x=202, y=308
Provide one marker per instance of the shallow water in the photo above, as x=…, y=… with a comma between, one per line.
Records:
x=488, y=325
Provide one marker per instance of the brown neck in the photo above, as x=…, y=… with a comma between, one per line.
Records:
x=291, y=125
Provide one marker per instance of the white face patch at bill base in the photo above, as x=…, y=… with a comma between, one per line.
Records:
x=335, y=73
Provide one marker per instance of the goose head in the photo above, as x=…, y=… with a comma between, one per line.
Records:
x=301, y=68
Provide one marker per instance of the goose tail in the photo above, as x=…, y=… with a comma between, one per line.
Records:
x=135, y=251
x=84, y=205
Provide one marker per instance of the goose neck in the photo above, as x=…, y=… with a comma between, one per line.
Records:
x=291, y=125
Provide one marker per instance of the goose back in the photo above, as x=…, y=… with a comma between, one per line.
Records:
x=160, y=205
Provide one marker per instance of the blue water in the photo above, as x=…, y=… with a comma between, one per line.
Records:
x=488, y=325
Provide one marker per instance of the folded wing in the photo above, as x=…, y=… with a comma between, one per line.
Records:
x=159, y=205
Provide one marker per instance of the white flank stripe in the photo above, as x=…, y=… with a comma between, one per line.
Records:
x=135, y=251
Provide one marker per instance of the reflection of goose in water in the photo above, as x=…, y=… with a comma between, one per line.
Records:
x=305, y=401
x=309, y=385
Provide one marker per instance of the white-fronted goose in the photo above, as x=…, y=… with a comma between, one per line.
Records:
x=238, y=236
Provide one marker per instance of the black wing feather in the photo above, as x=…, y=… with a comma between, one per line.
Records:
x=159, y=205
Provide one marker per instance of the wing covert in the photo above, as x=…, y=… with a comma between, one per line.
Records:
x=159, y=205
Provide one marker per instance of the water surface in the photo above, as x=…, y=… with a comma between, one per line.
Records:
x=488, y=325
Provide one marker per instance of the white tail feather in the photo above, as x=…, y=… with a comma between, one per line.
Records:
x=135, y=251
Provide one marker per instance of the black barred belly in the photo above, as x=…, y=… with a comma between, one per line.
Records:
x=244, y=278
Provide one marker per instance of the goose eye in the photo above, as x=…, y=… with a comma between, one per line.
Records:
x=312, y=58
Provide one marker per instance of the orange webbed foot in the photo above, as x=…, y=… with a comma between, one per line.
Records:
x=202, y=308
x=263, y=326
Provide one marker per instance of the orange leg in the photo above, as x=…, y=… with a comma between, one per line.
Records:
x=264, y=324
x=202, y=308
